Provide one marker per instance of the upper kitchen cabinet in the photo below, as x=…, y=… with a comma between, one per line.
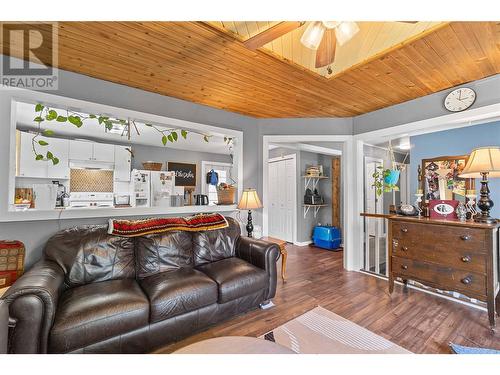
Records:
x=104, y=152
x=84, y=150
x=123, y=160
x=29, y=167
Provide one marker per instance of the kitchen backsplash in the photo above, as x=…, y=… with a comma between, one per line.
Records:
x=89, y=180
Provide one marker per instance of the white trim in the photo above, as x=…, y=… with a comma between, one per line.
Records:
x=319, y=149
x=305, y=243
x=284, y=157
x=471, y=117
x=295, y=203
x=352, y=251
x=16, y=94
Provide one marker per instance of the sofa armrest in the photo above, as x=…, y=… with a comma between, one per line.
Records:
x=261, y=254
x=4, y=326
x=32, y=303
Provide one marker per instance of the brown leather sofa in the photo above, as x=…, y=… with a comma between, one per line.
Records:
x=97, y=293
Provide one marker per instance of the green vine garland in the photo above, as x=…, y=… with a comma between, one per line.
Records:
x=45, y=113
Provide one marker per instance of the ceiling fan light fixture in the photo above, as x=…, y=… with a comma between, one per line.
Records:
x=331, y=24
x=313, y=35
x=345, y=31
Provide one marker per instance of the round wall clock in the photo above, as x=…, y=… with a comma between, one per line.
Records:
x=460, y=99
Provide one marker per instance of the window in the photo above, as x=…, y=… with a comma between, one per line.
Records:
x=224, y=172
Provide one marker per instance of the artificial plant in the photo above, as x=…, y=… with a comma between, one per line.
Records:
x=46, y=113
x=385, y=180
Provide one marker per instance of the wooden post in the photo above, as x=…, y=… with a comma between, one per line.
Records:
x=336, y=192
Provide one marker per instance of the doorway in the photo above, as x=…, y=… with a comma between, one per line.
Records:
x=282, y=197
x=375, y=237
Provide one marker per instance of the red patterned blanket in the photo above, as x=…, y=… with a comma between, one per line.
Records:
x=196, y=223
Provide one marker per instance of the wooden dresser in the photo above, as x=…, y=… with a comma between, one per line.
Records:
x=447, y=255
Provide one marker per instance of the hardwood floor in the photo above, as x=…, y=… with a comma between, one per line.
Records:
x=417, y=321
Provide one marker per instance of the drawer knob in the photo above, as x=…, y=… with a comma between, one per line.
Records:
x=465, y=237
x=404, y=248
x=404, y=230
x=466, y=280
x=404, y=266
x=466, y=259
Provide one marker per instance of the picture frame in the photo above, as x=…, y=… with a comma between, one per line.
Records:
x=440, y=174
x=443, y=209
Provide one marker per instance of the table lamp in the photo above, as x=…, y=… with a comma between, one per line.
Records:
x=483, y=162
x=249, y=201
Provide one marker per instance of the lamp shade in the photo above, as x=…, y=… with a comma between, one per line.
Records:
x=249, y=200
x=481, y=160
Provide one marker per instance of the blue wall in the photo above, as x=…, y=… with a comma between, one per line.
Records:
x=456, y=142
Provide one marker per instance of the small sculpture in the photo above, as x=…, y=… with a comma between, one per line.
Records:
x=461, y=212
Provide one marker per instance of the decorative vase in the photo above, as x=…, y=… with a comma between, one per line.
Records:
x=392, y=178
x=461, y=211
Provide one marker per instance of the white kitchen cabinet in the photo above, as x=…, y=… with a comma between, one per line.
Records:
x=123, y=160
x=29, y=167
x=82, y=150
x=60, y=148
x=104, y=152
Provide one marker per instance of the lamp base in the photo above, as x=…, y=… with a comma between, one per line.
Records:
x=485, y=219
x=249, y=224
x=485, y=204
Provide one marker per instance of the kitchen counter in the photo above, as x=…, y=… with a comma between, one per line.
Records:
x=80, y=213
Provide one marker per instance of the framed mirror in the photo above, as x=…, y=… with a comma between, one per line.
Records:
x=439, y=178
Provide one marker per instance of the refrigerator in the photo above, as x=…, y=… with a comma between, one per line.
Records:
x=156, y=189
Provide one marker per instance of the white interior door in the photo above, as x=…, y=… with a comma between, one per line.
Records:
x=282, y=198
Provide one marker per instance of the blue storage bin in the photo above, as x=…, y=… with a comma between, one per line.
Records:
x=327, y=237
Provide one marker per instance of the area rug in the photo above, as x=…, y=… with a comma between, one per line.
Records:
x=320, y=331
x=460, y=349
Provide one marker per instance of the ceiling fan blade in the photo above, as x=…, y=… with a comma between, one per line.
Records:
x=325, y=54
x=272, y=33
x=408, y=21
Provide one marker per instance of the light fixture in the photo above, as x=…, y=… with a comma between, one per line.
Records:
x=404, y=143
x=249, y=201
x=345, y=30
x=331, y=24
x=313, y=35
x=483, y=162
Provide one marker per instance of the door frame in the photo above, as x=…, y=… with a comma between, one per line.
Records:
x=379, y=224
x=352, y=255
x=204, y=163
x=295, y=201
x=471, y=117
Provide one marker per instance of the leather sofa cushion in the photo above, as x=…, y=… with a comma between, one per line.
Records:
x=177, y=292
x=211, y=246
x=95, y=312
x=162, y=252
x=89, y=254
x=235, y=278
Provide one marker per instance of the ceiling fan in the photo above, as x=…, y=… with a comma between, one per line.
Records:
x=321, y=36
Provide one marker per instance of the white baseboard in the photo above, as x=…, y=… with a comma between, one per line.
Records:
x=296, y=243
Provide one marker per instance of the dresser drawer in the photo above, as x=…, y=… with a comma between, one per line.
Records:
x=441, y=277
x=448, y=256
x=440, y=237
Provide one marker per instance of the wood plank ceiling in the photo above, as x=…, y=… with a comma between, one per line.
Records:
x=199, y=63
x=373, y=38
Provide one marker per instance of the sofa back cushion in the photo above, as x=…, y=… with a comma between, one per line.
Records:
x=89, y=254
x=214, y=245
x=162, y=252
